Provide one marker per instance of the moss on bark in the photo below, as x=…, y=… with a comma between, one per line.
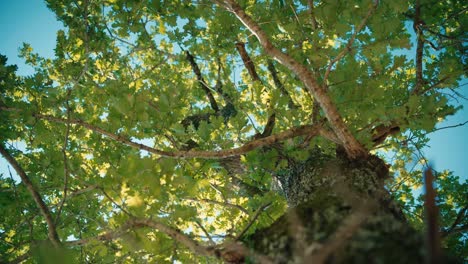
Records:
x=331, y=196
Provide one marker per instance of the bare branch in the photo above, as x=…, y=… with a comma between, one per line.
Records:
x=353, y=148
x=456, y=230
x=52, y=232
x=446, y=127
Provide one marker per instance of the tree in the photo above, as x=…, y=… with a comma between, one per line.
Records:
x=205, y=131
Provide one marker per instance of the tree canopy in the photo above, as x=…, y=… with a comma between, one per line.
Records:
x=159, y=131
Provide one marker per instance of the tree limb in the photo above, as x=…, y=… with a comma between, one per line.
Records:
x=253, y=73
x=223, y=252
x=419, y=46
x=217, y=154
x=432, y=214
x=353, y=148
x=52, y=232
x=248, y=63
x=202, y=82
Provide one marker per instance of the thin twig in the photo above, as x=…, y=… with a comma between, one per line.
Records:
x=348, y=46
x=254, y=218
x=279, y=85
x=446, y=127
x=206, y=233
x=240, y=208
x=65, y=160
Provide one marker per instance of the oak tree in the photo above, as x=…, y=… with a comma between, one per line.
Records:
x=204, y=131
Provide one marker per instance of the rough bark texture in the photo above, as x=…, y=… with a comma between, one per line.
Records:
x=339, y=213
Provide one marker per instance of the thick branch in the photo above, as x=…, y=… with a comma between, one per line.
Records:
x=432, y=213
x=253, y=73
x=202, y=82
x=353, y=148
x=419, y=46
x=381, y=132
x=224, y=252
x=268, y=127
x=291, y=133
x=240, y=46
x=52, y=232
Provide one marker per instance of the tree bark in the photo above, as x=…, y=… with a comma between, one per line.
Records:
x=339, y=212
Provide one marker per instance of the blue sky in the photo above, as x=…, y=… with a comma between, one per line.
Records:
x=30, y=21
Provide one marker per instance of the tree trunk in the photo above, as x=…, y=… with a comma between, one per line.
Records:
x=339, y=212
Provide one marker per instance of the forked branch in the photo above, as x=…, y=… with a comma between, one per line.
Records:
x=353, y=148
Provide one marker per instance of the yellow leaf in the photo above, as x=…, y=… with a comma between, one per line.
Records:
x=76, y=57
x=79, y=109
x=138, y=85
x=98, y=64
x=10, y=235
x=134, y=200
x=18, y=93
x=79, y=42
x=162, y=28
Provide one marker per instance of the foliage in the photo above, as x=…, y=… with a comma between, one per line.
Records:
x=120, y=125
